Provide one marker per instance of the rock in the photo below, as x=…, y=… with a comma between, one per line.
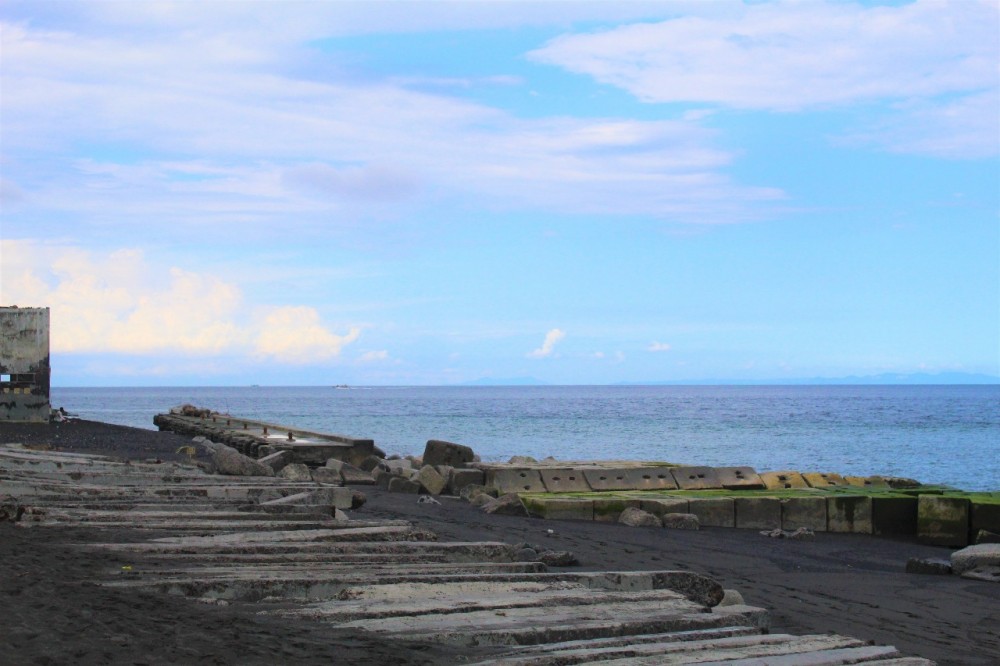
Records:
x=985, y=536
x=558, y=558
x=370, y=463
x=928, y=565
x=988, y=574
x=10, y=511
x=634, y=517
x=295, y=472
x=802, y=534
x=974, y=557
x=680, y=521
x=439, y=452
x=427, y=499
x=382, y=478
x=731, y=598
x=901, y=483
x=399, y=466
x=548, y=459
x=521, y=460
x=473, y=489
x=506, y=505
x=335, y=464
x=326, y=475
x=459, y=479
x=231, y=462
x=355, y=476
x=276, y=460
x=358, y=499
x=526, y=555
x=431, y=480
x=340, y=515
x=482, y=499
x=398, y=484
x=416, y=461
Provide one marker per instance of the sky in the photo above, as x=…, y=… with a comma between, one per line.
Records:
x=412, y=193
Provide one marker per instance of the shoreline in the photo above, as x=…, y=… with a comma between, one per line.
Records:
x=849, y=584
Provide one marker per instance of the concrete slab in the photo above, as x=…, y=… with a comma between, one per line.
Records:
x=460, y=478
x=554, y=508
x=630, y=478
x=661, y=506
x=564, y=480
x=783, y=480
x=696, y=478
x=943, y=521
x=808, y=512
x=714, y=512
x=870, y=482
x=516, y=480
x=824, y=480
x=739, y=478
x=852, y=514
x=984, y=517
x=757, y=513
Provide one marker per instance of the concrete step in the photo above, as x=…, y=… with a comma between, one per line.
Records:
x=799, y=651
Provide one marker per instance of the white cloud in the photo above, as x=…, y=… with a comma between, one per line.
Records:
x=789, y=56
x=658, y=347
x=374, y=356
x=294, y=334
x=551, y=338
x=117, y=302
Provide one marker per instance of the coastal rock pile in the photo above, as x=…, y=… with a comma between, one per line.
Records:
x=442, y=470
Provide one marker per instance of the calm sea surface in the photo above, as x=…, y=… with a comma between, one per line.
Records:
x=937, y=434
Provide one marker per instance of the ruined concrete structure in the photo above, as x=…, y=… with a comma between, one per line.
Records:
x=24, y=364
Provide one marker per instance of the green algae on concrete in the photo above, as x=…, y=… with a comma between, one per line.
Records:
x=758, y=513
x=607, y=509
x=556, y=508
x=943, y=521
x=849, y=513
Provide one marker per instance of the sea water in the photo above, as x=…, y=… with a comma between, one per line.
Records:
x=936, y=434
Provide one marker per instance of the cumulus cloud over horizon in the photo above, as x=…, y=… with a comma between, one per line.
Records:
x=551, y=338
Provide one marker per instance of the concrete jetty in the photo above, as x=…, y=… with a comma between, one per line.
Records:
x=390, y=578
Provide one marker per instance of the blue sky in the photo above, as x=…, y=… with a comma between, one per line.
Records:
x=433, y=193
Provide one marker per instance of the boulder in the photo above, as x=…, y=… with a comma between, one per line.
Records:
x=358, y=499
x=526, y=554
x=731, y=598
x=355, y=476
x=473, y=489
x=295, y=472
x=558, y=558
x=431, y=480
x=231, y=462
x=928, y=565
x=521, y=460
x=985, y=536
x=480, y=499
x=439, y=452
x=506, y=505
x=398, y=484
x=680, y=521
x=975, y=557
x=634, y=517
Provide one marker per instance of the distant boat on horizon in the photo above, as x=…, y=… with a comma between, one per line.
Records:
x=341, y=386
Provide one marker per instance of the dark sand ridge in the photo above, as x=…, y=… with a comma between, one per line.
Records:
x=848, y=584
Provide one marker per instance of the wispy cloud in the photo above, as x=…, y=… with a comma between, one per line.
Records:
x=551, y=338
x=658, y=347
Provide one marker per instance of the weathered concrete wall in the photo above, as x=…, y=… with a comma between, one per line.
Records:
x=24, y=364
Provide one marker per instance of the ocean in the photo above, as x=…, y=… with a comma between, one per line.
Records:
x=936, y=434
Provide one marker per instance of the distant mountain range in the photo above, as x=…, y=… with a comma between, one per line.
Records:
x=912, y=379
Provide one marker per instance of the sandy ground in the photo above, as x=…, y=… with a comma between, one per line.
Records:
x=847, y=584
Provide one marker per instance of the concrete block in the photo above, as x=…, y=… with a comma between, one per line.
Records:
x=928, y=566
x=564, y=480
x=943, y=521
x=808, y=512
x=460, y=478
x=739, y=478
x=783, y=480
x=894, y=516
x=870, y=482
x=608, y=509
x=370, y=463
x=326, y=475
x=355, y=476
x=399, y=466
x=515, y=480
x=823, y=479
x=630, y=478
x=852, y=514
x=439, y=452
x=431, y=480
x=985, y=517
x=664, y=505
x=556, y=508
x=713, y=512
x=277, y=460
x=696, y=478
x=398, y=484
x=975, y=557
x=758, y=513
x=295, y=472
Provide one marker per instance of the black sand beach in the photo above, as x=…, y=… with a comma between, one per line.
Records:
x=848, y=584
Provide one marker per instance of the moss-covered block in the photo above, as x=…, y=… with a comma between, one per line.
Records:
x=823, y=479
x=985, y=516
x=757, y=513
x=894, y=515
x=808, y=512
x=783, y=480
x=849, y=513
x=664, y=505
x=868, y=482
x=607, y=509
x=943, y=521
x=559, y=509
x=720, y=512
